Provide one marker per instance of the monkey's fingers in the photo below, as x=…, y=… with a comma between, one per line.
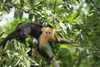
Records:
x=71, y=41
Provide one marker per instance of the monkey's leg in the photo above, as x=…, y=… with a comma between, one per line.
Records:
x=31, y=52
x=8, y=38
x=30, y=40
x=31, y=44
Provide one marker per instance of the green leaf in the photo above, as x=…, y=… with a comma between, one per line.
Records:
x=27, y=50
x=90, y=14
x=6, y=45
x=63, y=46
x=62, y=20
x=55, y=7
x=30, y=2
x=16, y=62
x=36, y=2
x=30, y=17
x=26, y=40
x=1, y=34
x=33, y=2
x=32, y=61
x=18, y=13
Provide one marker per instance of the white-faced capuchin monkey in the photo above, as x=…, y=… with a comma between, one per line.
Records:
x=41, y=33
x=47, y=33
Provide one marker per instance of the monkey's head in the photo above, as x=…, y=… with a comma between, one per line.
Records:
x=48, y=31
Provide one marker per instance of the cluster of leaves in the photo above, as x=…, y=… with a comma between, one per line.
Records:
x=77, y=19
x=15, y=55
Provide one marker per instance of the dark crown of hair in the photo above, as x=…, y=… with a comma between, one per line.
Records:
x=49, y=26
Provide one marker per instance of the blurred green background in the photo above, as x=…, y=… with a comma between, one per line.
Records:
x=75, y=19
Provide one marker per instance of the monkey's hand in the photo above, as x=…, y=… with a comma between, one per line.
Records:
x=70, y=42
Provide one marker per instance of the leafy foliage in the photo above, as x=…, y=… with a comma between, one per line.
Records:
x=15, y=54
x=75, y=19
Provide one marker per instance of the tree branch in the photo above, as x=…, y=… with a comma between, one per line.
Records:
x=48, y=50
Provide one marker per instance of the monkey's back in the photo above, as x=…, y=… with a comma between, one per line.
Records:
x=24, y=31
x=29, y=29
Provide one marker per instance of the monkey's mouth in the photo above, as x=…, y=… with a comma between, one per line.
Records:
x=48, y=37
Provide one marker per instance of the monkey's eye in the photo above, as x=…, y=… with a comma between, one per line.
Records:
x=49, y=32
x=46, y=32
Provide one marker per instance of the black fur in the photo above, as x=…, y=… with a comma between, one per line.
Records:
x=24, y=31
x=49, y=26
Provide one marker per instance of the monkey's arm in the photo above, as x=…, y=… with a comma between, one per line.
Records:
x=63, y=41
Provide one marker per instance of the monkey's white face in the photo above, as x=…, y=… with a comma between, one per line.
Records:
x=48, y=32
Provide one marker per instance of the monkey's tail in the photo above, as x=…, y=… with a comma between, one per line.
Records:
x=8, y=38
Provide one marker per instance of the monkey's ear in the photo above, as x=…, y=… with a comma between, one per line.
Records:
x=43, y=29
x=53, y=31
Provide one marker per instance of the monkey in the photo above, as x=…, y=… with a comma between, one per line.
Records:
x=38, y=31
